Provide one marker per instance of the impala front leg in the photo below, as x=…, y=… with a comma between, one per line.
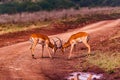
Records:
x=72, y=46
x=42, y=50
x=32, y=49
x=63, y=50
x=48, y=51
x=88, y=46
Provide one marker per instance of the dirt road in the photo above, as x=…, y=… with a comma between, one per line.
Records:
x=16, y=62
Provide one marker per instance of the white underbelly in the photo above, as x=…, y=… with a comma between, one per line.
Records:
x=79, y=40
x=41, y=41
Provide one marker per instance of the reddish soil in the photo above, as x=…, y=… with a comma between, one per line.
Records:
x=16, y=62
x=12, y=38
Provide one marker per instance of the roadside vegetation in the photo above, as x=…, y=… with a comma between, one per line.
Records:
x=106, y=60
x=18, y=6
x=11, y=27
x=20, y=15
x=70, y=18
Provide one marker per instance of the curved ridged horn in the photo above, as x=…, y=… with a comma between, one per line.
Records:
x=54, y=42
x=60, y=42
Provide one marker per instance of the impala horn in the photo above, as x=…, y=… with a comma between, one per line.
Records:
x=54, y=42
x=60, y=42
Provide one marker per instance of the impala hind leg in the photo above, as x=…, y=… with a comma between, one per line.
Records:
x=88, y=46
x=48, y=51
x=75, y=47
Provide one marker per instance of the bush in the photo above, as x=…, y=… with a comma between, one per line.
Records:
x=29, y=6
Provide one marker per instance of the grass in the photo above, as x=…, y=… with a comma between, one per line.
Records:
x=26, y=21
x=10, y=28
x=107, y=61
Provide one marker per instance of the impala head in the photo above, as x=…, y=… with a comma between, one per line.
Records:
x=57, y=46
x=64, y=46
x=54, y=46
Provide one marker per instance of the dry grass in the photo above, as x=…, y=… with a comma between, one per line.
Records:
x=107, y=61
x=10, y=28
x=25, y=21
x=52, y=15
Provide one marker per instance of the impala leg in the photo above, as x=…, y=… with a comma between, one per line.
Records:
x=42, y=50
x=48, y=51
x=72, y=46
x=32, y=49
x=88, y=46
x=62, y=51
x=53, y=51
x=75, y=47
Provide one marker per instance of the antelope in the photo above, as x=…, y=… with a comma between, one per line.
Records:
x=44, y=40
x=75, y=39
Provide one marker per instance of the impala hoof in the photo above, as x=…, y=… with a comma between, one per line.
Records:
x=41, y=56
x=33, y=56
x=88, y=54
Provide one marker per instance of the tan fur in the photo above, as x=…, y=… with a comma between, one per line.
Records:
x=43, y=40
x=75, y=39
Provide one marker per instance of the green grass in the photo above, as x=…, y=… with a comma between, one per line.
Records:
x=107, y=61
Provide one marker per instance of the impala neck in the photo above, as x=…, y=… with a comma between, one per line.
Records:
x=67, y=44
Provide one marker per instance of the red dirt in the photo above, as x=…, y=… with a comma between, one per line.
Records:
x=16, y=61
x=12, y=38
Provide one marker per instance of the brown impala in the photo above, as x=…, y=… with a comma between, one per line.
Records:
x=44, y=40
x=75, y=39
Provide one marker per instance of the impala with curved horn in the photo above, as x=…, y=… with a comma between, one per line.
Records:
x=75, y=39
x=44, y=40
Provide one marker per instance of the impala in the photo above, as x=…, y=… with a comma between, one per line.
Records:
x=44, y=40
x=75, y=39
